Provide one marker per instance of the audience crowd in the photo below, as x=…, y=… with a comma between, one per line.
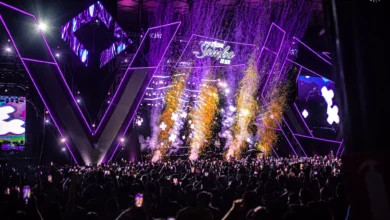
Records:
x=207, y=189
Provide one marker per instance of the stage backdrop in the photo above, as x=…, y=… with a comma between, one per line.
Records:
x=316, y=103
x=12, y=122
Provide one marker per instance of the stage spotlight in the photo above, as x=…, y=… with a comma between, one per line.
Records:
x=78, y=100
x=42, y=26
x=47, y=121
x=8, y=49
x=63, y=140
x=93, y=125
x=305, y=113
x=227, y=91
x=63, y=149
x=122, y=140
x=125, y=60
x=6, y=90
x=57, y=55
x=108, y=102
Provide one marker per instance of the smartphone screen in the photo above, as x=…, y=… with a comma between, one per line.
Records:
x=175, y=181
x=139, y=200
x=206, y=174
x=7, y=191
x=49, y=178
x=26, y=192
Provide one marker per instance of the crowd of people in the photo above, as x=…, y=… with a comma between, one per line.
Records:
x=207, y=189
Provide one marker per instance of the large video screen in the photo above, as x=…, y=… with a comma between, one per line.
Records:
x=12, y=122
x=316, y=103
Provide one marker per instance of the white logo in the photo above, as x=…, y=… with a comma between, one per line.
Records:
x=155, y=35
x=216, y=50
x=13, y=126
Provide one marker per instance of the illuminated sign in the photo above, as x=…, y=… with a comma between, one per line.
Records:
x=155, y=35
x=216, y=50
x=13, y=126
x=96, y=13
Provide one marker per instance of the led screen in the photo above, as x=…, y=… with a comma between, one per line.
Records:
x=316, y=102
x=12, y=122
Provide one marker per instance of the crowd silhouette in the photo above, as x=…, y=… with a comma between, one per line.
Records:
x=207, y=189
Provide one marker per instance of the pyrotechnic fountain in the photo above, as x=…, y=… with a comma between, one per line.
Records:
x=219, y=64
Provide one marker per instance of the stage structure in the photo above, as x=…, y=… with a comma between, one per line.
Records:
x=86, y=144
x=95, y=13
x=294, y=125
x=239, y=82
x=185, y=123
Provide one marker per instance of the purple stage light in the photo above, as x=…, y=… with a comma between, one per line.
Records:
x=129, y=68
x=320, y=139
x=288, y=141
x=17, y=51
x=150, y=79
x=338, y=149
x=309, y=70
x=64, y=81
x=59, y=72
x=342, y=152
x=39, y=61
x=296, y=39
x=16, y=9
x=277, y=53
x=98, y=12
x=326, y=54
x=299, y=73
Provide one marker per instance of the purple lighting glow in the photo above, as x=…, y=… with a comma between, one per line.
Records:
x=95, y=11
x=17, y=51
